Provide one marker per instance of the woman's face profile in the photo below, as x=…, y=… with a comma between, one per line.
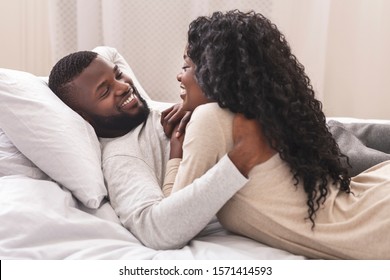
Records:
x=191, y=93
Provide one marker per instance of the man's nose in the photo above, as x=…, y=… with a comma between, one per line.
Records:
x=121, y=88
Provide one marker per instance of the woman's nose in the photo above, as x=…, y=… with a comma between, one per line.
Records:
x=178, y=77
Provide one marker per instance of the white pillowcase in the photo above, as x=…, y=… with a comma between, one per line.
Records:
x=51, y=135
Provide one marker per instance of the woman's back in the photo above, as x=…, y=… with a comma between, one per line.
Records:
x=272, y=210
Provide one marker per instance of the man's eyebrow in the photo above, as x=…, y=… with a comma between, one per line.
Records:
x=102, y=84
x=115, y=68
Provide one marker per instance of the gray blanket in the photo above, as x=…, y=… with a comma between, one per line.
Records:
x=366, y=144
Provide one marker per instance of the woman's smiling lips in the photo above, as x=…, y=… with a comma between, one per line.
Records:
x=182, y=92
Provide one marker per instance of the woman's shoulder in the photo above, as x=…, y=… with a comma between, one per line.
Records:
x=212, y=110
x=211, y=119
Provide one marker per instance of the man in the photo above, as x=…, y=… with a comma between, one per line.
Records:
x=135, y=152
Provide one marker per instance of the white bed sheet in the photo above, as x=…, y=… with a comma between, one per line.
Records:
x=40, y=220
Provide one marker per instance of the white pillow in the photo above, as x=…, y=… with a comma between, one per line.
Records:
x=55, y=138
x=13, y=162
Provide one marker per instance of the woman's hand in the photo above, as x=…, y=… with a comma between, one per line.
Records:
x=176, y=145
x=174, y=120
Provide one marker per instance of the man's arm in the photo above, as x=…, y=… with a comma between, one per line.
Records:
x=169, y=223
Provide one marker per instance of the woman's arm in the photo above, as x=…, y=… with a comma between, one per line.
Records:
x=208, y=138
x=170, y=175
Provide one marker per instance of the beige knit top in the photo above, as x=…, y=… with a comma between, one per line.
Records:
x=272, y=210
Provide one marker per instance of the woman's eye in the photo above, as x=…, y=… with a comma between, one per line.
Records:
x=185, y=67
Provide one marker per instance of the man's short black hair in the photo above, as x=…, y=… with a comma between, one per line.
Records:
x=66, y=70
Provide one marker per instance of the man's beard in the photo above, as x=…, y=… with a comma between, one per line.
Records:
x=123, y=122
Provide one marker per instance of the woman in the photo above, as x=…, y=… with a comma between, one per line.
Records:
x=300, y=198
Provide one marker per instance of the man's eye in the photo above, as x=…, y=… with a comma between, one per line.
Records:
x=105, y=93
x=119, y=75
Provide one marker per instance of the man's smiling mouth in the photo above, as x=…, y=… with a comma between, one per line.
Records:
x=128, y=100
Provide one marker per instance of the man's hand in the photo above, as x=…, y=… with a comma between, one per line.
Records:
x=250, y=146
x=174, y=120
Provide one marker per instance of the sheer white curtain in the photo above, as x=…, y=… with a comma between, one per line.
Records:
x=152, y=34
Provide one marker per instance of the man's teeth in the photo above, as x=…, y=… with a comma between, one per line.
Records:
x=128, y=100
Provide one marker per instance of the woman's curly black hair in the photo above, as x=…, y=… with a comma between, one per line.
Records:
x=244, y=63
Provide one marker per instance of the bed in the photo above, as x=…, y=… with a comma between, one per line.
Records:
x=52, y=193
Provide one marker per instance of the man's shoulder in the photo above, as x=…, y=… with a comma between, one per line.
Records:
x=154, y=116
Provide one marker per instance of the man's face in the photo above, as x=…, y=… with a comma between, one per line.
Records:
x=107, y=99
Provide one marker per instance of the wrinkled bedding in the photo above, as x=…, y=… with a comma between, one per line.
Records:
x=41, y=220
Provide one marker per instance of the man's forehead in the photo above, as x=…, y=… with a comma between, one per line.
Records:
x=100, y=66
x=100, y=61
x=93, y=73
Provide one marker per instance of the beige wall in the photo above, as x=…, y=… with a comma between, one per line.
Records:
x=357, y=80
x=343, y=44
x=24, y=36
x=304, y=24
